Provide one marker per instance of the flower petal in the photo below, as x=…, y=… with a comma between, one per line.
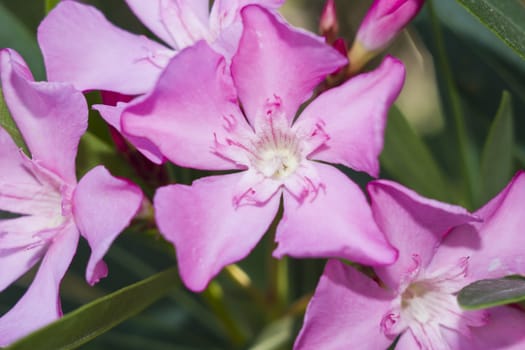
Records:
x=498, y=248
x=51, y=116
x=112, y=115
x=274, y=59
x=503, y=331
x=407, y=341
x=413, y=224
x=355, y=116
x=24, y=232
x=191, y=104
x=14, y=175
x=226, y=24
x=40, y=305
x=183, y=24
x=150, y=13
x=345, y=312
x=224, y=12
x=103, y=206
x=208, y=231
x=336, y=223
x=81, y=46
x=16, y=262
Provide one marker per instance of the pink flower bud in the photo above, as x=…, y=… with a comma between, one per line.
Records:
x=384, y=20
x=328, y=24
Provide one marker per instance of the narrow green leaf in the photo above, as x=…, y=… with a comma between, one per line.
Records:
x=508, y=65
x=506, y=18
x=457, y=18
x=407, y=158
x=93, y=319
x=519, y=154
x=7, y=122
x=492, y=292
x=15, y=35
x=497, y=158
x=467, y=161
x=50, y=4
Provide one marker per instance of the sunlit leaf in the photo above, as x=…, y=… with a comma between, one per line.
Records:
x=492, y=292
x=506, y=18
x=497, y=158
x=99, y=316
x=407, y=158
x=275, y=336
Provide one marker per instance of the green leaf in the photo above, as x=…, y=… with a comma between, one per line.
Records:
x=96, y=318
x=458, y=19
x=519, y=154
x=506, y=18
x=92, y=152
x=14, y=34
x=492, y=292
x=494, y=52
x=407, y=158
x=7, y=122
x=497, y=159
x=50, y=4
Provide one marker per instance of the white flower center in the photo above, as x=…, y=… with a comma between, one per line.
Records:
x=47, y=203
x=273, y=153
x=428, y=303
x=277, y=155
x=423, y=302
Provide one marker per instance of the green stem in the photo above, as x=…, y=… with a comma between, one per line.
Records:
x=243, y=281
x=171, y=171
x=467, y=161
x=214, y=296
x=298, y=308
x=278, y=290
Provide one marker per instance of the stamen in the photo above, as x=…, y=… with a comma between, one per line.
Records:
x=273, y=151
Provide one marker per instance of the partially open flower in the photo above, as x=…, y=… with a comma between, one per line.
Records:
x=54, y=210
x=328, y=24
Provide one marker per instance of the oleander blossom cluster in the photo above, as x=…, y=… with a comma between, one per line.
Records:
x=235, y=90
x=442, y=248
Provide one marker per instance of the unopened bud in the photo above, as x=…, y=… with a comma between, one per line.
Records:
x=383, y=21
x=328, y=24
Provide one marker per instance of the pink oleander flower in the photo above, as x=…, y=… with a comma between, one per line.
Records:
x=201, y=117
x=441, y=250
x=82, y=47
x=54, y=209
